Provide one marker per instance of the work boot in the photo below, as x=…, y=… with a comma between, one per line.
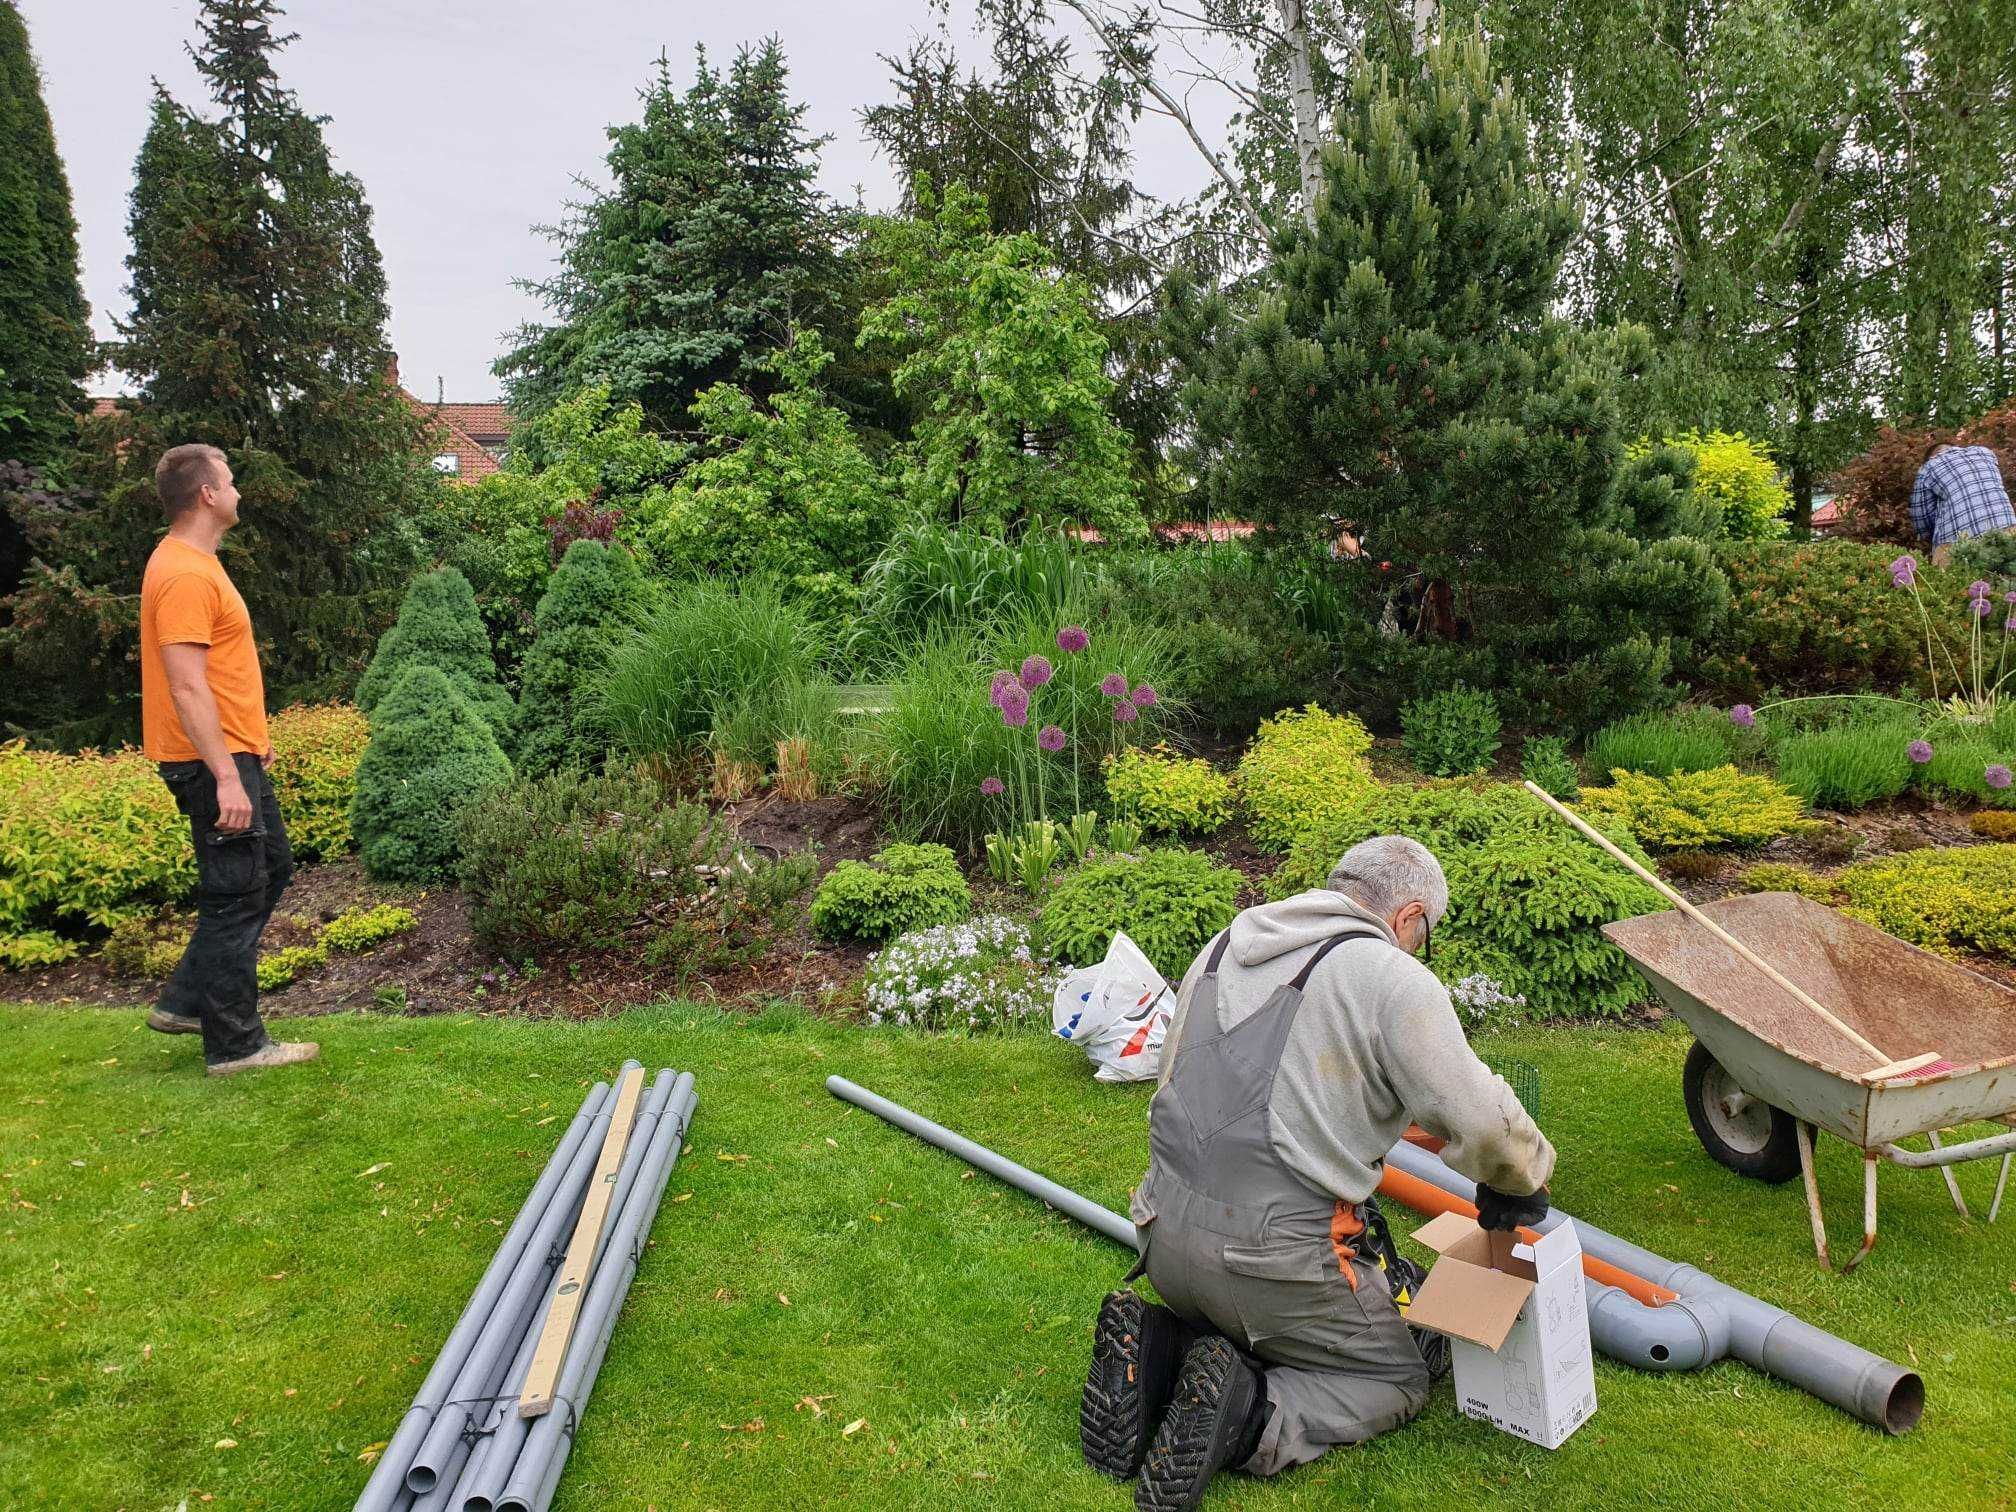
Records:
x=275, y=1054
x=161, y=1021
x=1215, y=1419
x=1137, y=1349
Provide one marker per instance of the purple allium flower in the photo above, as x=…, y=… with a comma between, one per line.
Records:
x=1113, y=685
x=1051, y=738
x=1143, y=697
x=1002, y=682
x=1014, y=707
x=1980, y=607
x=1036, y=671
x=1978, y=588
x=1904, y=571
x=2010, y=623
x=1073, y=638
x=1997, y=776
x=1125, y=713
x=2009, y=597
x=1920, y=752
x=1743, y=716
x=992, y=787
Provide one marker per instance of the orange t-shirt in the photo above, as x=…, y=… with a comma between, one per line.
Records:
x=186, y=599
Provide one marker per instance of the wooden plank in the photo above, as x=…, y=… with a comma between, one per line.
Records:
x=535, y=1398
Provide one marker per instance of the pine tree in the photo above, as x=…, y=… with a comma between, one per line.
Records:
x=430, y=756
x=440, y=626
x=594, y=597
x=711, y=246
x=45, y=324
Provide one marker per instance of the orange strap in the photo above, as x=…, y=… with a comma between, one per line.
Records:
x=1426, y=1198
x=1346, y=1225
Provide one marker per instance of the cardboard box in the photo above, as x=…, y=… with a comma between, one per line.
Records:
x=1518, y=1325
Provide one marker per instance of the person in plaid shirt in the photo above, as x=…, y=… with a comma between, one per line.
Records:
x=1959, y=495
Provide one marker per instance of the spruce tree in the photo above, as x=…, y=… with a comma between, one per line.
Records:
x=440, y=626
x=45, y=324
x=710, y=246
x=595, y=596
x=430, y=756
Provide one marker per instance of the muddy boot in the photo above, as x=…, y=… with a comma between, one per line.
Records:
x=1137, y=1349
x=1215, y=1420
x=163, y=1022
x=276, y=1054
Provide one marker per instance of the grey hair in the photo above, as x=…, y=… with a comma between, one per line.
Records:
x=1388, y=872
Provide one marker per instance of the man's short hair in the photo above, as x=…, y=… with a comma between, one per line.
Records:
x=1388, y=872
x=182, y=474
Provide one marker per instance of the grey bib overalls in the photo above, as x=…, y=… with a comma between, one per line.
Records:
x=1231, y=1237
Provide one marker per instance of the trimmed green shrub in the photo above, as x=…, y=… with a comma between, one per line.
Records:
x=1546, y=764
x=358, y=929
x=1658, y=745
x=430, y=756
x=1302, y=770
x=144, y=947
x=277, y=969
x=1526, y=893
x=904, y=887
x=1848, y=767
x=1453, y=733
x=1697, y=810
x=1946, y=901
x=439, y=626
x=1778, y=876
x=1170, y=902
x=1168, y=794
x=982, y=974
x=595, y=598
x=316, y=748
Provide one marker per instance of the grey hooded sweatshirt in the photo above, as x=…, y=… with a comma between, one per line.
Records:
x=1377, y=1044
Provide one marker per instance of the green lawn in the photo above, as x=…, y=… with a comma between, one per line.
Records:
x=190, y=1261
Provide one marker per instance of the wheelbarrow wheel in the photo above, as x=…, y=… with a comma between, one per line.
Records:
x=1744, y=1133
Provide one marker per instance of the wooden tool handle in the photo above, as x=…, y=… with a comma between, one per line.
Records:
x=1883, y=1062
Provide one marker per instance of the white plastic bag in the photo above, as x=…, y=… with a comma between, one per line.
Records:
x=1119, y=1011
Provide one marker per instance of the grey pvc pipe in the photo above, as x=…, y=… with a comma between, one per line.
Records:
x=443, y=1451
x=504, y=1434
x=537, y=1472
x=386, y=1491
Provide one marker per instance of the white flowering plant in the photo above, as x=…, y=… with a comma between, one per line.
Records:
x=977, y=975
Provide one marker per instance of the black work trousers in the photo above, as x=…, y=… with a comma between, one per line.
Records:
x=239, y=879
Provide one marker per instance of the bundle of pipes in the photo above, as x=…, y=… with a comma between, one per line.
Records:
x=462, y=1444
x=1663, y=1315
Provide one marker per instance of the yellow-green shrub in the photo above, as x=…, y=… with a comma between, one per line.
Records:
x=1994, y=824
x=1164, y=792
x=1948, y=901
x=1304, y=769
x=357, y=929
x=278, y=968
x=84, y=841
x=316, y=748
x=145, y=947
x=1780, y=876
x=1692, y=810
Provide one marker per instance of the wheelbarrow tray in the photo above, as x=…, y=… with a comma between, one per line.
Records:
x=1904, y=1000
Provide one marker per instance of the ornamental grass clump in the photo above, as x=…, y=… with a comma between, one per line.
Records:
x=1453, y=733
x=1168, y=794
x=1303, y=770
x=1949, y=902
x=904, y=887
x=983, y=974
x=1170, y=902
x=1658, y=745
x=1697, y=810
x=1848, y=767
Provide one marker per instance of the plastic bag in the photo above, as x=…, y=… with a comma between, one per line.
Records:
x=1118, y=1011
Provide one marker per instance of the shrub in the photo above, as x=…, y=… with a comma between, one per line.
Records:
x=1453, y=733
x=1170, y=903
x=904, y=887
x=84, y=841
x=277, y=969
x=595, y=598
x=1846, y=768
x=1777, y=876
x=1526, y=893
x=1876, y=486
x=1738, y=483
x=1962, y=762
x=1693, y=810
x=1994, y=824
x=358, y=929
x=1947, y=901
x=1167, y=794
x=1546, y=764
x=430, y=756
x=1303, y=769
x=142, y=947
x=1991, y=556
x=982, y=974
x=1658, y=745
x=439, y=626
x=316, y=748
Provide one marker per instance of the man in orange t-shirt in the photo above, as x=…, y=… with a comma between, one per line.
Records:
x=203, y=718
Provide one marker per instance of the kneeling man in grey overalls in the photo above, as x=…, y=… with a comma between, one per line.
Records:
x=1306, y=1038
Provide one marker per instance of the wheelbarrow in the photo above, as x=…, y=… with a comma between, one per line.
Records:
x=1765, y=1073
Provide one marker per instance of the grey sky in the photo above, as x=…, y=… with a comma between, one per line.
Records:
x=466, y=120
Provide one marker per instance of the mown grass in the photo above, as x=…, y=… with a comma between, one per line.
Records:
x=813, y=1267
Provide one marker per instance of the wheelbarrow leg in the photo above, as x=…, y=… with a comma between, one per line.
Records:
x=1803, y=1132
x=2000, y=1182
x=1952, y=1186
x=1868, y=1211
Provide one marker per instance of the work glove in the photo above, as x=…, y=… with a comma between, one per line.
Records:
x=1501, y=1210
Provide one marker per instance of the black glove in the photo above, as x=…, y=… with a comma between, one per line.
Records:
x=1501, y=1210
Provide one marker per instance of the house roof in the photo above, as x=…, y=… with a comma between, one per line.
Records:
x=488, y=423
x=473, y=461
x=1180, y=530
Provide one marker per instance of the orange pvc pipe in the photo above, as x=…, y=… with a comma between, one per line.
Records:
x=1428, y=1199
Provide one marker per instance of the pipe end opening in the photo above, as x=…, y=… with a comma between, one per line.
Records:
x=420, y=1479
x=1905, y=1404
x=1661, y=1353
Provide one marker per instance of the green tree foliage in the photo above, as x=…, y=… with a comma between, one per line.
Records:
x=594, y=598
x=1735, y=482
x=431, y=754
x=1005, y=364
x=1403, y=372
x=439, y=627
x=711, y=244
x=45, y=324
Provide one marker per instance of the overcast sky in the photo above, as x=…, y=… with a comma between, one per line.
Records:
x=467, y=121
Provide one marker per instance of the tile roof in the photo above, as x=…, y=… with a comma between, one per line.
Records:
x=488, y=423
x=473, y=460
